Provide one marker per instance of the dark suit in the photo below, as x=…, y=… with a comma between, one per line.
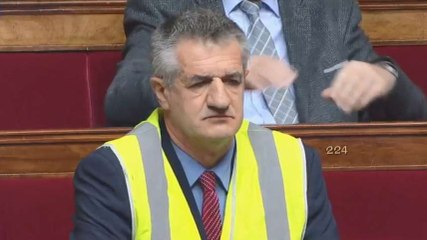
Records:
x=319, y=35
x=102, y=203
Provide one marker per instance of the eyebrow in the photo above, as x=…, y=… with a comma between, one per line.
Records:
x=203, y=78
x=233, y=75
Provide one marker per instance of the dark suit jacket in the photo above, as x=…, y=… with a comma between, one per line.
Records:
x=102, y=203
x=319, y=35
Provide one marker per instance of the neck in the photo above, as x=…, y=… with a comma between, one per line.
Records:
x=209, y=155
x=208, y=152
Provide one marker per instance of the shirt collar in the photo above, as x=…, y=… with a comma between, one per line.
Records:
x=231, y=5
x=193, y=169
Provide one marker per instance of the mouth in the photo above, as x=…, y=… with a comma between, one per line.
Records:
x=219, y=117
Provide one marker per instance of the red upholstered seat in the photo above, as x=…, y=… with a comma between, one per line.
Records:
x=379, y=205
x=54, y=90
x=43, y=90
x=66, y=89
x=36, y=208
x=101, y=71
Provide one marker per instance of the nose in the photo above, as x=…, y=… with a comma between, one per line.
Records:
x=218, y=97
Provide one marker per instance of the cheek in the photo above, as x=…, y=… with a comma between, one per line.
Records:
x=186, y=108
x=237, y=96
x=191, y=101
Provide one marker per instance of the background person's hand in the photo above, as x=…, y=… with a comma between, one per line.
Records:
x=265, y=71
x=357, y=84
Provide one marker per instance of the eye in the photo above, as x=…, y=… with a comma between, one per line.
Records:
x=233, y=81
x=198, y=84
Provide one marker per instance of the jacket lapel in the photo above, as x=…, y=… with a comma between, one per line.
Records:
x=296, y=23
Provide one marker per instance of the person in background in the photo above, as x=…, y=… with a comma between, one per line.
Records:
x=311, y=63
x=195, y=169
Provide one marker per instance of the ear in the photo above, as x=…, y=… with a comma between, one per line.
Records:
x=161, y=91
x=245, y=77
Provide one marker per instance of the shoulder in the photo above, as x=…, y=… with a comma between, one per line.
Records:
x=311, y=153
x=321, y=222
x=102, y=203
x=331, y=10
x=330, y=4
x=313, y=162
x=154, y=12
x=100, y=171
x=103, y=160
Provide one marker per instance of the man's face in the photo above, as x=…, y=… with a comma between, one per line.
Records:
x=206, y=101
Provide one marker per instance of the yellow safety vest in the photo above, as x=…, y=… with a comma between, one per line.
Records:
x=266, y=197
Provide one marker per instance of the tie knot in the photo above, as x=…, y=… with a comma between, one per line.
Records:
x=208, y=181
x=251, y=9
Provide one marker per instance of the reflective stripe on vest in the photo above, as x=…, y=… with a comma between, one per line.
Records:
x=273, y=206
x=155, y=180
x=270, y=179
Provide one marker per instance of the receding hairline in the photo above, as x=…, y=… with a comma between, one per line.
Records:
x=190, y=26
x=208, y=41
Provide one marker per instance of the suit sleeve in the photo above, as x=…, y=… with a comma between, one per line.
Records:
x=320, y=223
x=130, y=99
x=406, y=101
x=101, y=199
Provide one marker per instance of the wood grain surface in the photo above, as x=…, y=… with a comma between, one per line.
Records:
x=56, y=25
x=379, y=146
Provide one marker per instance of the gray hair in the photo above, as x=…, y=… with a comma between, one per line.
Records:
x=199, y=23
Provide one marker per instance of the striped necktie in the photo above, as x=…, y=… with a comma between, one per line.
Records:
x=280, y=101
x=210, y=209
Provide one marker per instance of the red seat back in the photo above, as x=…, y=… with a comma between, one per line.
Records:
x=36, y=208
x=379, y=205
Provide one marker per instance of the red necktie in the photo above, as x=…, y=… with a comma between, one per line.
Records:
x=210, y=210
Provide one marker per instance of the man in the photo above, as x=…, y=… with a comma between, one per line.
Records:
x=340, y=78
x=194, y=170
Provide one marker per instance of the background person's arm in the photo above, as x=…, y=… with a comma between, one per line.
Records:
x=405, y=101
x=266, y=71
x=129, y=98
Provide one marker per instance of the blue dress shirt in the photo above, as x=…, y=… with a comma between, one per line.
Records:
x=193, y=170
x=255, y=107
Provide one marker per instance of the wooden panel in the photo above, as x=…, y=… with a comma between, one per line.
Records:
x=116, y=6
x=47, y=25
x=61, y=6
x=342, y=147
x=49, y=152
x=56, y=32
x=392, y=4
x=367, y=146
x=396, y=26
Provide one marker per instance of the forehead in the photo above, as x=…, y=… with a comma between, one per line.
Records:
x=200, y=57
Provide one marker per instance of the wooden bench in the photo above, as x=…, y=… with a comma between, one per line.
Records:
x=376, y=176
